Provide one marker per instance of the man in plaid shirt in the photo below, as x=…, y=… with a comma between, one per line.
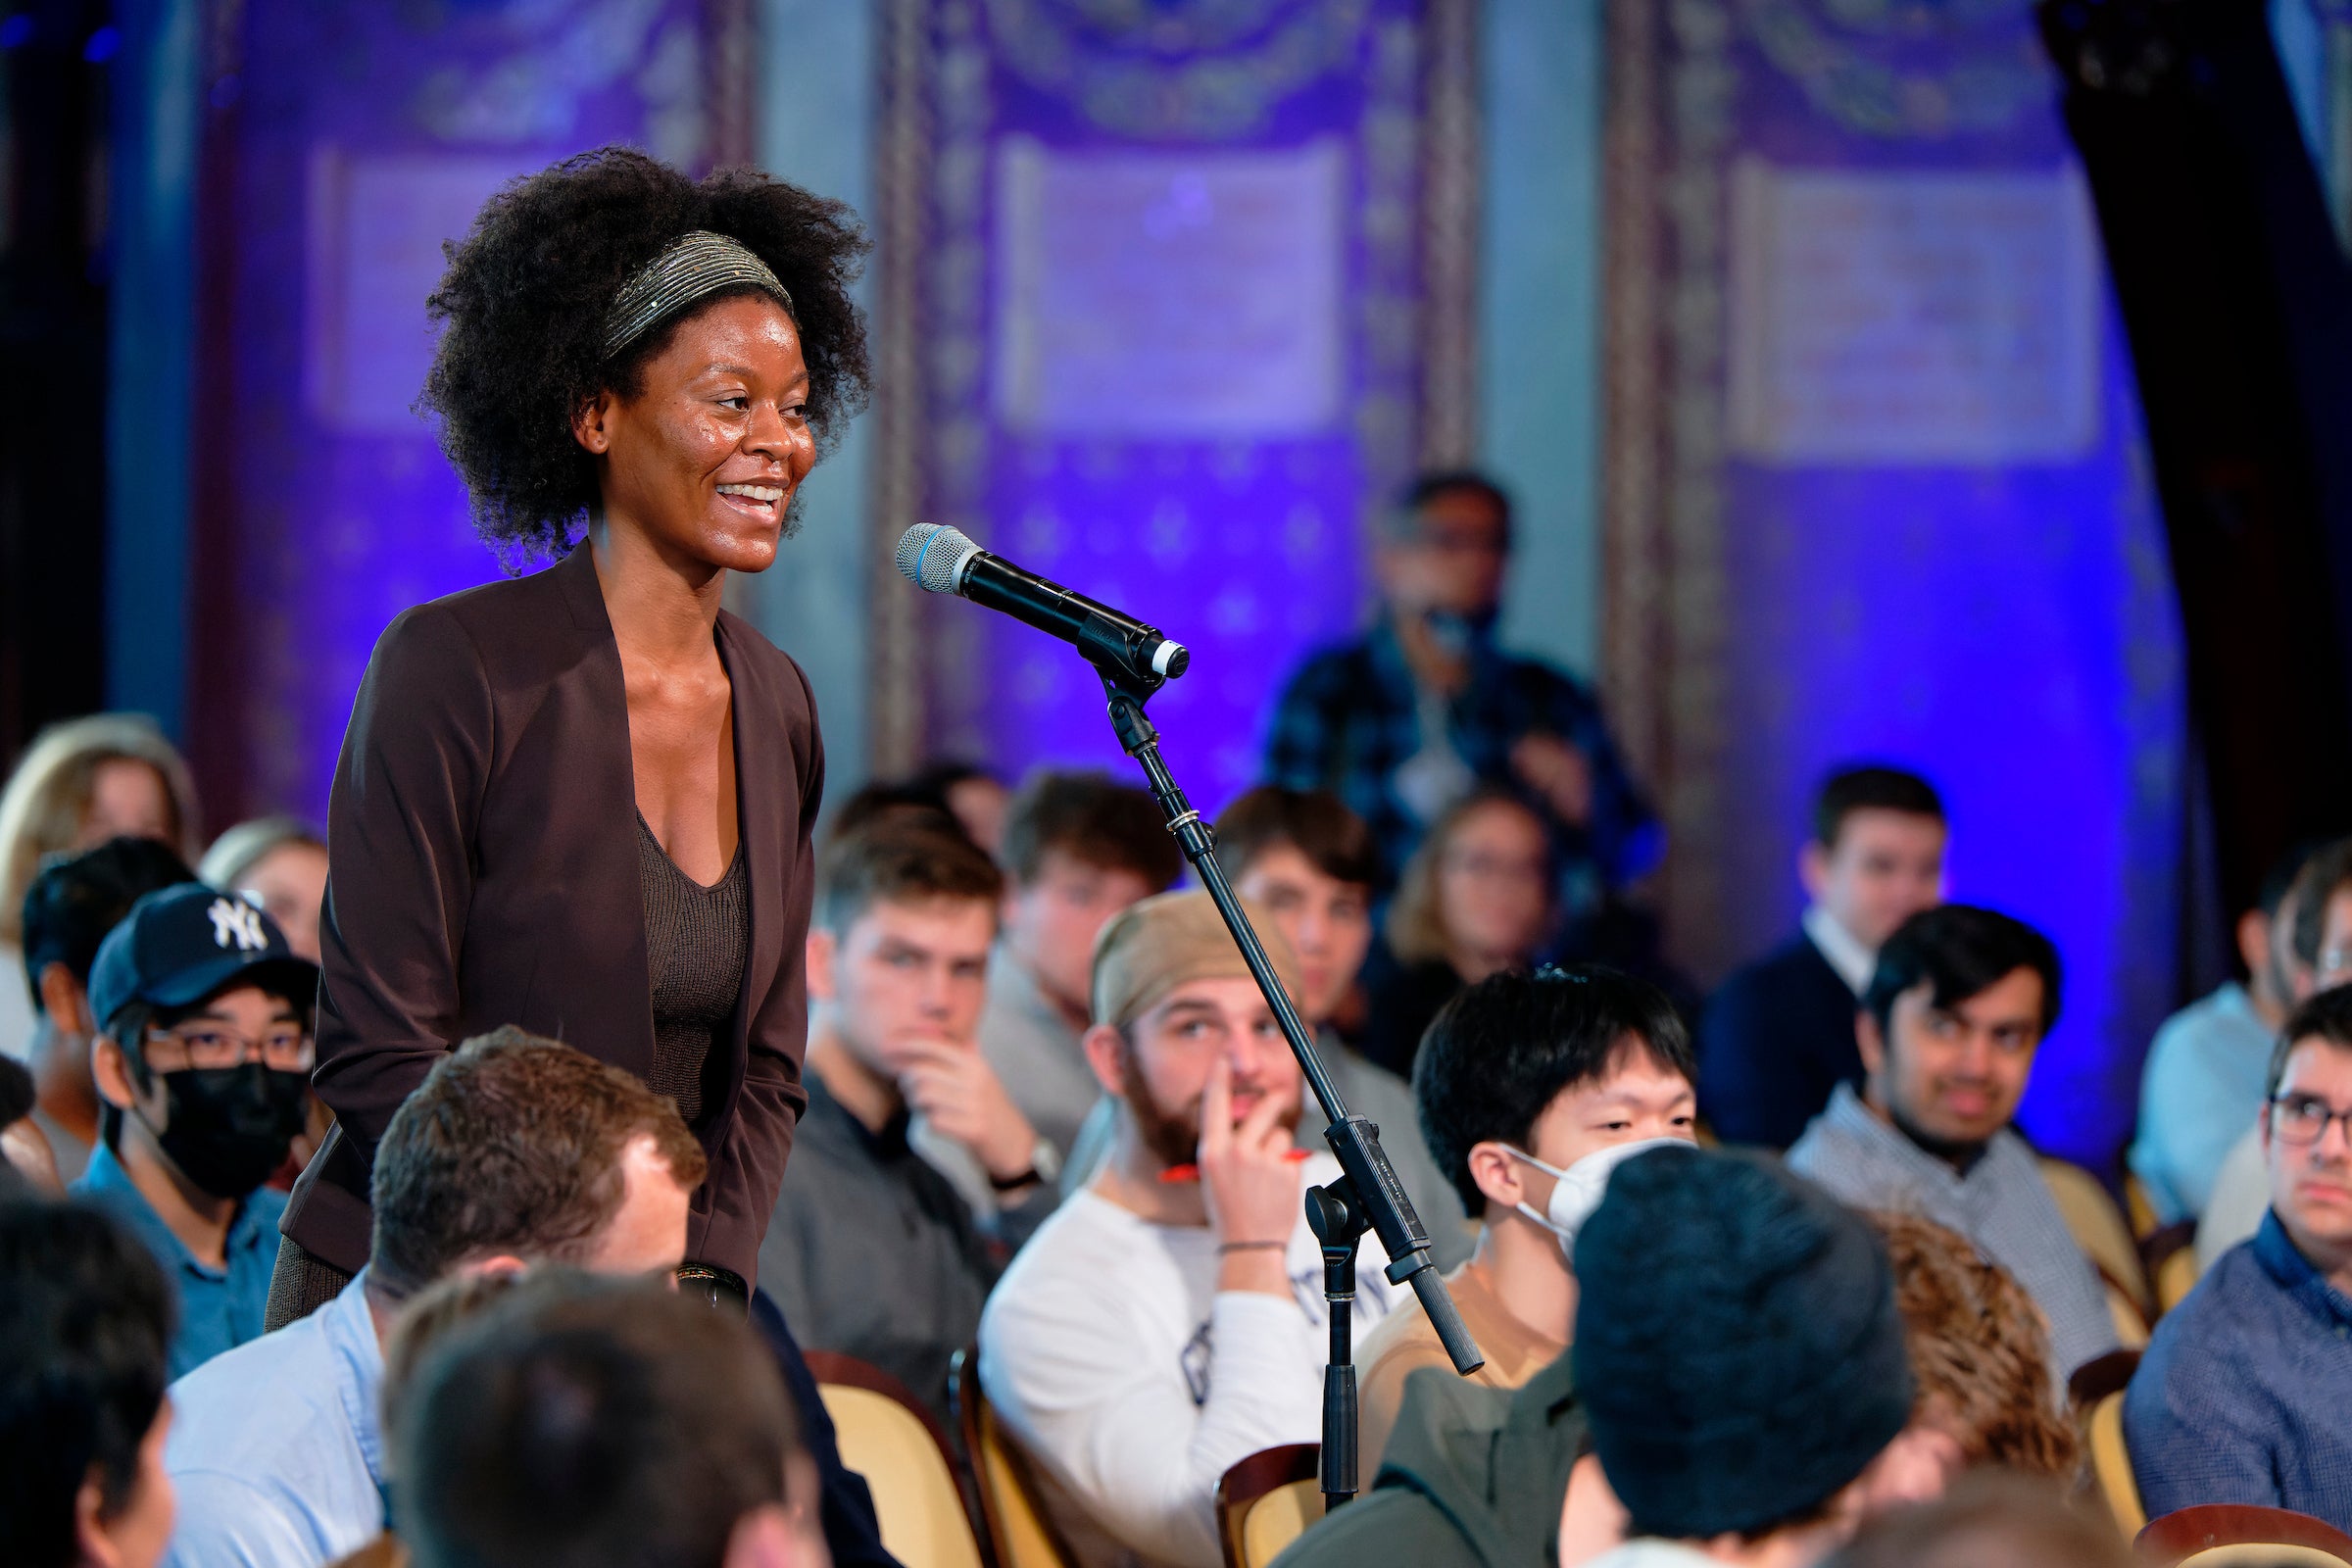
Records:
x=1424, y=707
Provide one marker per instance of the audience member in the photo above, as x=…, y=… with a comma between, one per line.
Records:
x=278, y=863
x=1956, y=1010
x=23, y=1149
x=1988, y=1518
x=2313, y=926
x=1169, y=1319
x=1531, y=1090
x=1779, y=1034
x=976, y=798
x=203, y=1057
x=572, y=1426
x=1980, y=1351
x=69, y=910
x=1425, y=707
x=1472, y=1479
x=85, y=1323
x=79, y=784
x=2202, y=1086
x=1306, y=860
x=897, y=965
x=1079, y=849
x=2241, y=1394
x=1476, y=901
x=1742, y=1364
x=514, y=1151
x=898, y=805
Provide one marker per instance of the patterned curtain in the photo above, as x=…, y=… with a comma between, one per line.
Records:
x=1170, y=294
x=1876, y=489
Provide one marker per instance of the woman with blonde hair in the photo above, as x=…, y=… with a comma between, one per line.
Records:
x=1476, y=899
x=79, y=784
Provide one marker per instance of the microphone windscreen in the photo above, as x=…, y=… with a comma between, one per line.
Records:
x=932, y=557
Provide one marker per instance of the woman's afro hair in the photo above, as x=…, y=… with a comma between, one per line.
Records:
x=525, y=301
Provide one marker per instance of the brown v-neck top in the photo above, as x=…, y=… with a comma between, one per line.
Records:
x=696, y=941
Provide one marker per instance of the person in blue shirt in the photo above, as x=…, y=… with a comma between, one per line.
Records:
x=203, y=1059
x=2241, y=1395
x=2203, y=1083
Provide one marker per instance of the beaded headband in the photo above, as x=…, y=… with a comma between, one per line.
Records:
x=692, y=267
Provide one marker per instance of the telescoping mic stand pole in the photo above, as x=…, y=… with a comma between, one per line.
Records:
x=1367, y=1196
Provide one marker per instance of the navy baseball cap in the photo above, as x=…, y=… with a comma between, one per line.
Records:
x=183, y=944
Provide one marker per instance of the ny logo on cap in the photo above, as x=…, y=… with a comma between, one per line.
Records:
x=235, y=921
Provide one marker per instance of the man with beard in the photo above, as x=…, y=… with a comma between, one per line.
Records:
x=1169, y=1319
x=203, y=1059
x=1958, y=1003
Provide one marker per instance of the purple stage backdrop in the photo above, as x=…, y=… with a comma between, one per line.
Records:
x=1878, y=489
x=1171, y=294
x=343, y=145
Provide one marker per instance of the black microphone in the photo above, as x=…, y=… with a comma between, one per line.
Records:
x=944, y=560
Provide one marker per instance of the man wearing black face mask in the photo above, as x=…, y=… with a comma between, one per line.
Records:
x=203, y=1058
x=1427, y=706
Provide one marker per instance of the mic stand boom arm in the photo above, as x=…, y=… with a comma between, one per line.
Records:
x=1367, y=1196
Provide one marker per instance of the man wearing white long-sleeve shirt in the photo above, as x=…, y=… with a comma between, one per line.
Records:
x=1169, y=1320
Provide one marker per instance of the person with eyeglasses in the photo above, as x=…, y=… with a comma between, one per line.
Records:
x=2241, y=1395
x=203, y=1061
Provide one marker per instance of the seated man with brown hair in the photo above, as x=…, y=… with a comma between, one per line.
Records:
x=897, y=965
x=514, y=1151
x=607, y=1423
x=2241, y=1395
x=1079, y=849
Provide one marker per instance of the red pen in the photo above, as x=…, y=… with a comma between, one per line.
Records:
x=1176, y=1175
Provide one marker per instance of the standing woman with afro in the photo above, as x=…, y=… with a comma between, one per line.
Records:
x=582, y=801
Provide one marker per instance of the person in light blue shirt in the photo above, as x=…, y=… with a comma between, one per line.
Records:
x=2241, y=1397
x=203, y=1060
x=2203, y=1082
x=515, y=1150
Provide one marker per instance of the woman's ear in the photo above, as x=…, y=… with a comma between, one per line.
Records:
x=591, y=423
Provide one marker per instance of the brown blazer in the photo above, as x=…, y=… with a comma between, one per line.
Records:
x=482, y=870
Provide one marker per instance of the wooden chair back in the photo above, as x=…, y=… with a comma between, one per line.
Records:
x=2099, y=1229
x=887, y=1436
x=1267, y=1501
x=1019, y=1531
x=2229, y=1534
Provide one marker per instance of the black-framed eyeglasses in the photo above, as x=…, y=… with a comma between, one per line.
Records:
x=2302, y=1119
x=286, y=1047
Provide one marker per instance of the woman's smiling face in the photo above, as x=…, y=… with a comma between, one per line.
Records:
x=703, y=459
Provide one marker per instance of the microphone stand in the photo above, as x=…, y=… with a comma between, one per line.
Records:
x=1367, y=1195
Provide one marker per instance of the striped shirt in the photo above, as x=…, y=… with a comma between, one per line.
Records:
x=2002, y=1204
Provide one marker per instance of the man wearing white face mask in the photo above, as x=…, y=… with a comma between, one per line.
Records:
x=1531, y=1090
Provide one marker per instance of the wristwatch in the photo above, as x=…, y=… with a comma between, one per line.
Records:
x=1044, y=1164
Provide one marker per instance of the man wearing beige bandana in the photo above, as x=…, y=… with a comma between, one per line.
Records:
x=1169, y=1320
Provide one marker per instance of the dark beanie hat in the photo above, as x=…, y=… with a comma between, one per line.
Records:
x=1737, y=1348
